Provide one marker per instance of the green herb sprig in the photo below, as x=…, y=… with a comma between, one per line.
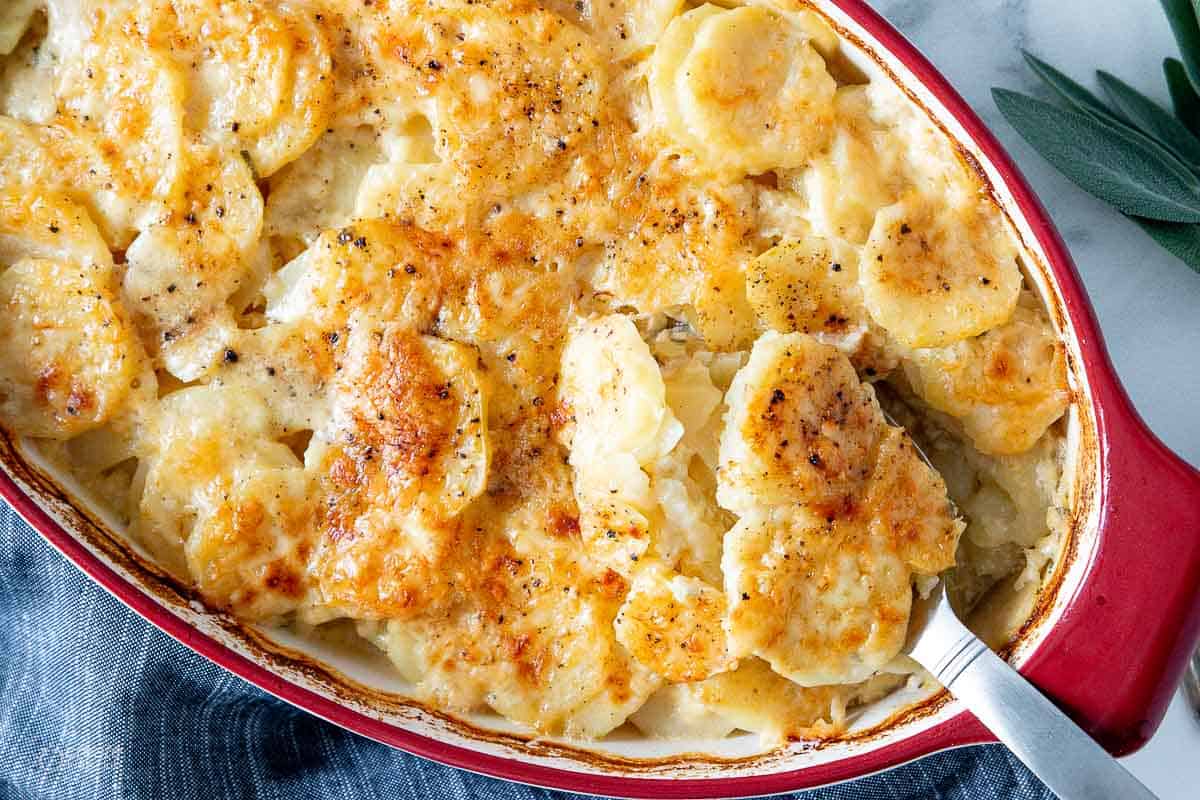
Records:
x=1129, y=152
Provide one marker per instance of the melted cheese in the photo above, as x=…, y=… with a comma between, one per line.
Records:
x=836, y=510
x=68, y=354
x=528, y=337
x=742, y=89
x=1006, y=386
x=672, y=624
x=257, y=74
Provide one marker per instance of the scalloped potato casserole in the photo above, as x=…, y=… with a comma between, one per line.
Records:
x=575, y=353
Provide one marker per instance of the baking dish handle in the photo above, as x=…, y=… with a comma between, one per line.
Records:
x=1115, y=657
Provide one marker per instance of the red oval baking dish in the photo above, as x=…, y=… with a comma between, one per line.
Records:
x=1108, y=643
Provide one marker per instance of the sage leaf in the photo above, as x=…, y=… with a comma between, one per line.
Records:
x=1071, y=91
x=1151, y=118
x=1109, y=162
x=1183, y=96
x=1182, y=16
x=1079, y=97
x=1179, y=239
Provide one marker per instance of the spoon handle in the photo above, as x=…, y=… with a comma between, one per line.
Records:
x=1054, y=748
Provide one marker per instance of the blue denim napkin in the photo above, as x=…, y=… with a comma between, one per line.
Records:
x=96, y=703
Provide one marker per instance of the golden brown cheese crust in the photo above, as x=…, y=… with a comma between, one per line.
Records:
x=425, y=313
x=1007, y=385
x=673, y=624
x=803, y=429
x=837, y=510
x=704, y=231
x=407, y=451
x=250, y=553
x=258, y=75
x=934, y=273
x=69, y=356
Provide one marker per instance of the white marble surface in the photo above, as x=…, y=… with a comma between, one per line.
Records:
x=1148, y=303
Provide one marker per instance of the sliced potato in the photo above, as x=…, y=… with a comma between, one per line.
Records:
x=615, y=391
x=181, y=271
x=669, y=53
x=853, y=176
x=411, y=412
x=115, y=146
x=821, y=602
x=837, y=513
x=809, y=286
x=202, y=443
x=754, y=88
x=705, y=231
x=424, y=192
x=319, y=191
x=614, y=526
x=674, y=712
x=1014, y=494
x=671, y=624
x=48, y=225
x=221, y=196
x=405, y=451
x=620, y=425
x=259, y=76
x=934, y=274
x=380, y=269
x=124, y=105
x=372, y=560
x=630, y=28
x=1007, y=386
x=801, y=428
x=514, y=96
x=753, y=698
x=750, y=92
x=176, y=283
x=249, y=551
x=68, y=354
x=909, y=507
x=531, y=639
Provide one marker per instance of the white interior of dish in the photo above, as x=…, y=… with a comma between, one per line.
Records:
x=373, y=671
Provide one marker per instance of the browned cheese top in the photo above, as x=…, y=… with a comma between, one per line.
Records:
x=535, y=338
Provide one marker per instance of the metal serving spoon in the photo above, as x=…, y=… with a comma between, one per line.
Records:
x=1054, y=748
x=1045, y=739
